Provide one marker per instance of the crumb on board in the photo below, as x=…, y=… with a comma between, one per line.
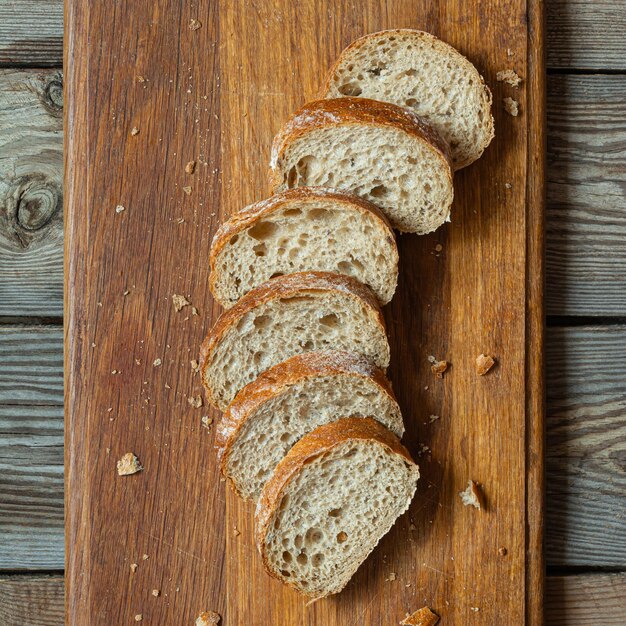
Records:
x=134, y=131
x=392, y=577
x=195, y=366
x=133, y=567
x=157, y=362
x=128, y=464
x=138, y=617
x=236, y=531
x=507, y=185
x=156, y=593
x=194, y=311
x=207, y=421
x=502, y=551
x=475, y=609
x=190, y=168
x=472, y=496
x=195, y=401
x=484, y=363
x=119, y=208
x=509, y=77
x=195, y=24
x=421, y=617
x=208, y=618
x=179, y=302
x=145, y=557
x=511, y=106
x=433, y=418
x=187, y=190
x=438, y=367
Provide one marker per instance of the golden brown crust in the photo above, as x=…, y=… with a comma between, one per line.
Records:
x=445, y=48
x=421, y=617
x=250, y=214
x=313, y=445
x=288, y=286
x=275, y=380
x=352, y=111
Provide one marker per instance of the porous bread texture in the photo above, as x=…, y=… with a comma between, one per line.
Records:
x=263, y=435
x=333, y=512
x=301, y=230
x=267, y=327
x=414, y=69
x=403, y=173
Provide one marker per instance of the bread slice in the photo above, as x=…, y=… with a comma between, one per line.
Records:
x=376, y=150
x=302, y=230
x=414, y=69
x=289, y=315
x=330, y=501
x=289, y=400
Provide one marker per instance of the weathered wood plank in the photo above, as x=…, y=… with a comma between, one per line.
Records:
x=586, y=35
x=31, y=488
x=31, y=33
x=32, y=601
x=31, y=365
x=586, y=600
x=586, y=461
x=31, y=192
x=586, y=217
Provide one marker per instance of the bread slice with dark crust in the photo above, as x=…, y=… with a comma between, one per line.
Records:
x=416, y=70
x=289, y=315
x=268, y=416
x=377, y=150
x=330, y=501
x=306, y=229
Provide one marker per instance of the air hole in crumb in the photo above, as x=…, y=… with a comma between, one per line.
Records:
x=427, y=188
x=317, y=214
x=334, y=512
x=260, y=249
x=410, y=102
x=285, y=437
x=262, y=230
x=379, y=191
x=302, y=558
x=350, y=89
x=233, y=240
x=298, y=541
x=317, y=559
x=341, y=537
x=292, y=212
x=292, y=177
x=287, y=556
x=331, y=320
x=285, y=573
x=262, y=321
x=277, y=274
x=410, y=72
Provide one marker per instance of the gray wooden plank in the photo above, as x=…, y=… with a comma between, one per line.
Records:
x=586, y=446
x=31, y=365
x=32, y=601
x=31, y=192
x=586, y=192
x=586, y=35
x=586, y=600
x=31, y=33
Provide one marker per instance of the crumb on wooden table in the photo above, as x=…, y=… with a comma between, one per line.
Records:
x=195, y=366
x=119, y=208
x=208, y=618
x=195, y=24
x=509, y=77
x=433, y=418
x=472, y=496
x=156, y=362
x=421, y=617
x=156, y=593
x=190, y=168
x=207, y=421
x=134, y=131
x=511, y=106
x=195, y=401
x=484, y=363
x=133, y=567
x=438, y=367
x=179, y=302
x=392, y=577
x=503, y=551
x=187, y=190
x=138, y=617
x=128, y=464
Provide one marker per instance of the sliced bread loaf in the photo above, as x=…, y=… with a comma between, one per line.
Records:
x=414, y=69
x=289, y=400
x=376, y=150
x=289, y=315
x=329, y=502
x=303, y=230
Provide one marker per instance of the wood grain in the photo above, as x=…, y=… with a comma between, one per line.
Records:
x=586, y=35
x=570, y=600
x=586, y=261
x=31, y=192
x=31, y=488
x=31, y=33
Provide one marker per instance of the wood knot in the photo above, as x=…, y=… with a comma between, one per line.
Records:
x=52, y=95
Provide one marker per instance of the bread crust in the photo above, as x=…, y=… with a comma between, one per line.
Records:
x=445, y=48
x=356, y=112
x=313, y=445
x=277, y=379
x=249, y=215
x=288, y=286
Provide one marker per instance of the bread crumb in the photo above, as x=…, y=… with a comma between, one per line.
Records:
x=133, y=567
x=128, y=464
x=180, y=302
x=194, y=311
x=195, y=24
x=392, y=577
x=438, y=368
x=180, y=220
x=190, y=168
x=208, y=618
x=195, y=366
x=141, y=79
x=145, y=557
x=509, y=77
x=511, y=106
x=474, y=608
x=421, y=617
x=156, y=362
x=438, y=248
x=484, y=363
x=509, y=52
x=503, y=551
x=195, y=401
x=472, y=496
x=156, y=593
x=134, y=131
x=207, y=421
x=433, y=418
x=119, y=208
x=236, y=532
x=507, y=185
x=187, y=190
x=138, y=617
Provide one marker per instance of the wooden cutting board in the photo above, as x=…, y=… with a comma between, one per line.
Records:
x=212, y=82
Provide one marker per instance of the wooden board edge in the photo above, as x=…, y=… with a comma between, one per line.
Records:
x=535, y=317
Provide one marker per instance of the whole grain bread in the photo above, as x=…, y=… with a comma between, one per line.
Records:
x=416, y=70
x=377, y=150
x=330, y=501
x=272, y=413
x=289, y=315
x=306, y=229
